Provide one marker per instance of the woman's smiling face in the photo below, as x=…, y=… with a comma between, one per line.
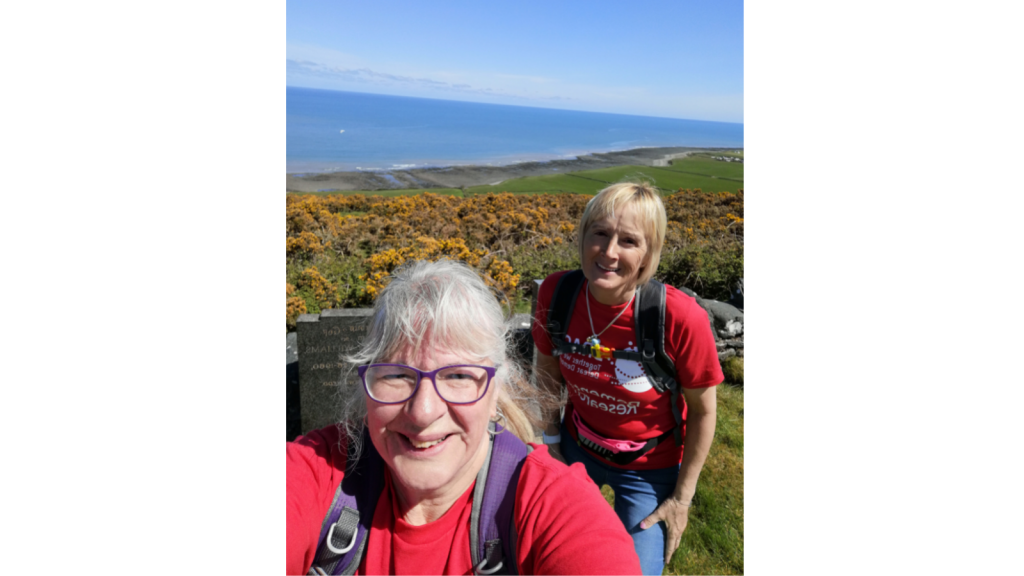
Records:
x=613, y=253
x=433, y=449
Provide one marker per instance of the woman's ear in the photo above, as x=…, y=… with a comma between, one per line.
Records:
x=495, y=403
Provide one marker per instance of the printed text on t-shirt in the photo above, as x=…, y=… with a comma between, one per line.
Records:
x=615, y=405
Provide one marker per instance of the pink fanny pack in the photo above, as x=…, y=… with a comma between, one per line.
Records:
x=615, y=446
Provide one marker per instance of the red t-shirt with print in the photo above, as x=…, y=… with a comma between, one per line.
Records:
x=614, y=397
x=561, y=518
x=397, y=547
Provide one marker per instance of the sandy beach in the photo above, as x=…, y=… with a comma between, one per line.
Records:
x=458, y=176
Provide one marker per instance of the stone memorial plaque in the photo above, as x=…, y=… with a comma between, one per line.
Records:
x=293, y=419
x=322, y=341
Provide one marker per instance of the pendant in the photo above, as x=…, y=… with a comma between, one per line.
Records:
x=593, y=348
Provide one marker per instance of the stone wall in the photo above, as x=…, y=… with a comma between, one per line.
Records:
x=316, y=369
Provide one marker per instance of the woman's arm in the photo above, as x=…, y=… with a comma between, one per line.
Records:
x=311, y=483
x=700, y=430
x=548, y=377
x=564, y=524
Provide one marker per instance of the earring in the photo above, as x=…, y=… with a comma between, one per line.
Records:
x=499, y=418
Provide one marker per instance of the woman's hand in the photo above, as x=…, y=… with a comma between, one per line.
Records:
x=700, y=429
x=675, y=514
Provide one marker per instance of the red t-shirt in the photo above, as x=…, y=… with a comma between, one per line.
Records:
x=614, y=397
x=560, y=516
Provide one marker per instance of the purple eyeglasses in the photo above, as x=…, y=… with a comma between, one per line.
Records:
x=397, y=383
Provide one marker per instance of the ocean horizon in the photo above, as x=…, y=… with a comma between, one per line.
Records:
x=333, y=131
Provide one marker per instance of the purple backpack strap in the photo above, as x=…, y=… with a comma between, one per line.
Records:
x=346, y=527
x=492, y=526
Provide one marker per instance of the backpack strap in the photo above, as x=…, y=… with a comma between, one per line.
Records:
x=649, y=315
x=346, y=526
x=560, y=310
x=345, y=529
x=492, y=534
x=563, y=302
x=650, y=333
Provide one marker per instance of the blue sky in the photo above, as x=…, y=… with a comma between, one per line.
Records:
x=673, y=59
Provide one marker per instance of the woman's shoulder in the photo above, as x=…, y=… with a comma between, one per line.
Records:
x=689, y=338
x=681, y=308
x=543, y=478
x=315, y=466
x=320, y=450
x=562, y=517
x=547, y=287
x=549, y=283
x=554, y=276
x=543, y=467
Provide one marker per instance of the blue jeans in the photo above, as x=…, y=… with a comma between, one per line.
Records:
x=637, y=494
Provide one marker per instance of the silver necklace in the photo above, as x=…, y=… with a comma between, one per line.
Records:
x=593, y=340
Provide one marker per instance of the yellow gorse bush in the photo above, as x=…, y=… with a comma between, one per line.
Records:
x=295, y=306
x=321, y=289
x=496, y=272
x=306, y=242
x=342, y=249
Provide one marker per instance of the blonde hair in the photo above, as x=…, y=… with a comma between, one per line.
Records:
x=646, y=200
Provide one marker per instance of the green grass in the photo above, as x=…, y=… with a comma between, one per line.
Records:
x=668, y=179
x=703, y=173
x=548, y=184
x=522, y=306
x=713, y=540
x=733, y=369
x=693, y=172
x=703, y=164
x=386, y=193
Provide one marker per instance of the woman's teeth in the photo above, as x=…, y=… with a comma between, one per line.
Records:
x=607, y=269
x=422, y=445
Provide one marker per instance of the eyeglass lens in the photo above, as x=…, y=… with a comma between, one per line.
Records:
x=397, y=383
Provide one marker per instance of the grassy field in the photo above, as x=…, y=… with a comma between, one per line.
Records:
x=713, y=540
x=693, y=172
x=386, y=193
x=705, y=166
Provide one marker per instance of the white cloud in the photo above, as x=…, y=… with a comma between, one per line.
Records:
x=324, y=56
x=315, y=67
x=521, y=78
x=299, y=68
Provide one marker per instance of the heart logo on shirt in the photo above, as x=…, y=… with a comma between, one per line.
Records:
x=631, y=373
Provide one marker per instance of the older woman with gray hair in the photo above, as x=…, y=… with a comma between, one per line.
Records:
x=427, y=471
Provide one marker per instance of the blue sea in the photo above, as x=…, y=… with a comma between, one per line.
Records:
x=331, y=131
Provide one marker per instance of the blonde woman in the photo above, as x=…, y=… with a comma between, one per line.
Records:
x=649, y=446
